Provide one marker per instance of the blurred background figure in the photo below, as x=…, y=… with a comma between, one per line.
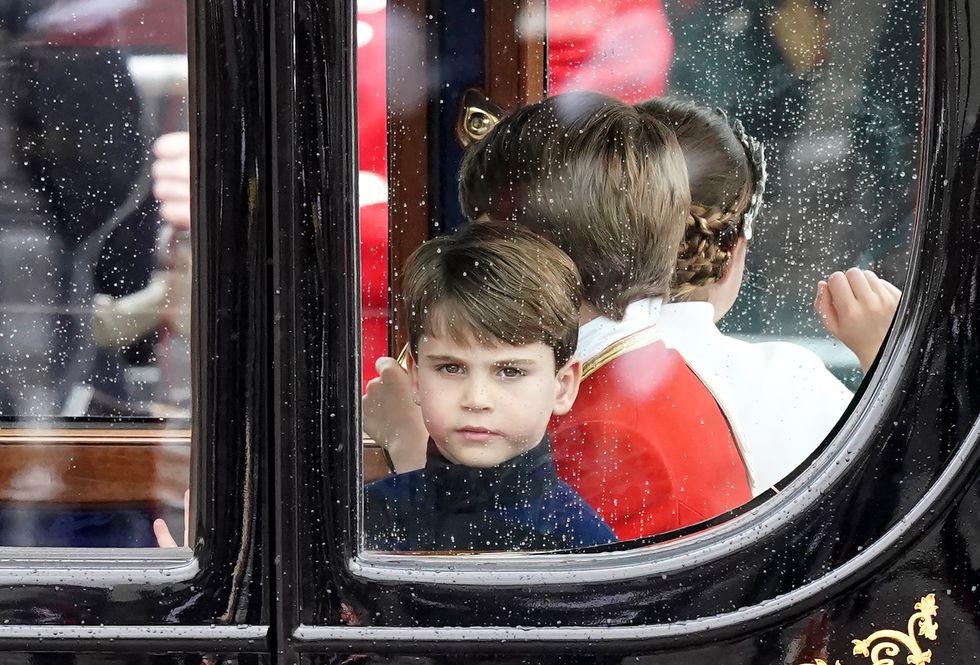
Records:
x=160, y=311
x=85, y=89
x=833, y=90
x=87, y=86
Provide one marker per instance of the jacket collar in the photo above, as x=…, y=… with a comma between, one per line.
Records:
x=602, y=332
x=528, y=475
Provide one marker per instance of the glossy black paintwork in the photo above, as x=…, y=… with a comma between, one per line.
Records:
x=109, y=603
x=317, y=315
x=885, y=515
x=879, y=519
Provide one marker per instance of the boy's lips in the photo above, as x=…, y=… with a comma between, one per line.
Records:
x=477, y=434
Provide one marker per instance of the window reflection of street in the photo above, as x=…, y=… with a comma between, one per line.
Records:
x=95, y=273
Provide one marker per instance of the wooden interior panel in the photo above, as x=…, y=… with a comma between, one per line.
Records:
x=408, y=150
x=515, y=74
x=94, y=466
x=104, y=466
x=375, y=466
x=515, y=52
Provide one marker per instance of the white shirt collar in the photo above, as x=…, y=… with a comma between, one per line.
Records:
x=689, y=310
x=602, y=331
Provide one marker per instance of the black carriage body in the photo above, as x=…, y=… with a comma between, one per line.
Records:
x=879, y=533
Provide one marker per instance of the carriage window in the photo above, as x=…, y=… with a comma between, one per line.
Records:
x=705, y=370
x=95, y=265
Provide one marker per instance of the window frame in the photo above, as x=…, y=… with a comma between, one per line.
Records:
x=123, y=601
x=676, y=593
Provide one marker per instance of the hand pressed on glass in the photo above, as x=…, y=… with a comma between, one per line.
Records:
x=857, y=307
x=162, y=531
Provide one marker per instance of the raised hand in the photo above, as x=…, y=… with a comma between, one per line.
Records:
x=171, y=173
x=857, y=307
x=392, y=418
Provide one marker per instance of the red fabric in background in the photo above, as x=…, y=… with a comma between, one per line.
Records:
x=620, y=47
x=374, y=286
x=372, y=153
x=150, y=26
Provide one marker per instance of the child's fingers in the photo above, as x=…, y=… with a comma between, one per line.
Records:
x=162, y=533
x=384, y=363
x=825, y=308
x=187, y=515
x=895, y=292
x=859, y=284
x=391, y=372
x=841, y=293
x=876, y=283
x=884, y=289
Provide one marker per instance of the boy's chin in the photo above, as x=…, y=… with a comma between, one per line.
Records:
x=470, y=455
x=481, y=456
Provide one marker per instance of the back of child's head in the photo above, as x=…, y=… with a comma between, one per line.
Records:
x=497, y=282
x=587, y=172
x=721, y=181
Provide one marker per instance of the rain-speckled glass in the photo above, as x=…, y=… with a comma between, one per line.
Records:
x=95, y=271
x=777, y=307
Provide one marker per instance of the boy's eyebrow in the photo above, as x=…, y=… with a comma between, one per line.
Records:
x=454, y=359
x=514, y=361
x=496, y=363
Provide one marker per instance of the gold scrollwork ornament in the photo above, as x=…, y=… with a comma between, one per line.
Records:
x=883, y=645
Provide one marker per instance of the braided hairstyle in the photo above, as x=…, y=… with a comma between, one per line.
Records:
x=721, y=181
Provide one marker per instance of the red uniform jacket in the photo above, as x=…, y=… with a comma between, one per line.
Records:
x=647, y=445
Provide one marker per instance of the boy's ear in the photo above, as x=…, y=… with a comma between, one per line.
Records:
x=413, y=375
x=567, y=380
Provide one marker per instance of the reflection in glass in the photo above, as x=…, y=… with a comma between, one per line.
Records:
x=94, y=271
x=832, y=90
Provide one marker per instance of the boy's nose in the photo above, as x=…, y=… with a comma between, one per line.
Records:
x=476, y=396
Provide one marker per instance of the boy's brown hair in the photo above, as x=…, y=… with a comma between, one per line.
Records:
x=497, y=281
x=587, y=172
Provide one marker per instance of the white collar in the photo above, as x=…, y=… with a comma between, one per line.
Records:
x=602, y=331
x=689, y=310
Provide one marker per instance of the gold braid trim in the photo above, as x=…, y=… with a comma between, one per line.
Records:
x=620, y=347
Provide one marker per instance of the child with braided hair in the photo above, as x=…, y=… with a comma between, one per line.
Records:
x=779, y=398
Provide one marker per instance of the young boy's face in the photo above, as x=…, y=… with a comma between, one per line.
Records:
x=484, y=405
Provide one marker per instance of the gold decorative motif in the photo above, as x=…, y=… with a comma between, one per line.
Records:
x=883, y=646
x=477, y=114
x=477, y=122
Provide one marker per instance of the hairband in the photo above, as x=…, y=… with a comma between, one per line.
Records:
x=756, y=153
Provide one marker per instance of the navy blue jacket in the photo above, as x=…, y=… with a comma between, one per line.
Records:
x=518, y=505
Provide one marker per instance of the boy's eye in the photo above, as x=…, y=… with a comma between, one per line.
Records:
x=512, y=372
x=450, y=368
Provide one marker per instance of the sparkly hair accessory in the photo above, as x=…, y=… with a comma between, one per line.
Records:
x=756, y=153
